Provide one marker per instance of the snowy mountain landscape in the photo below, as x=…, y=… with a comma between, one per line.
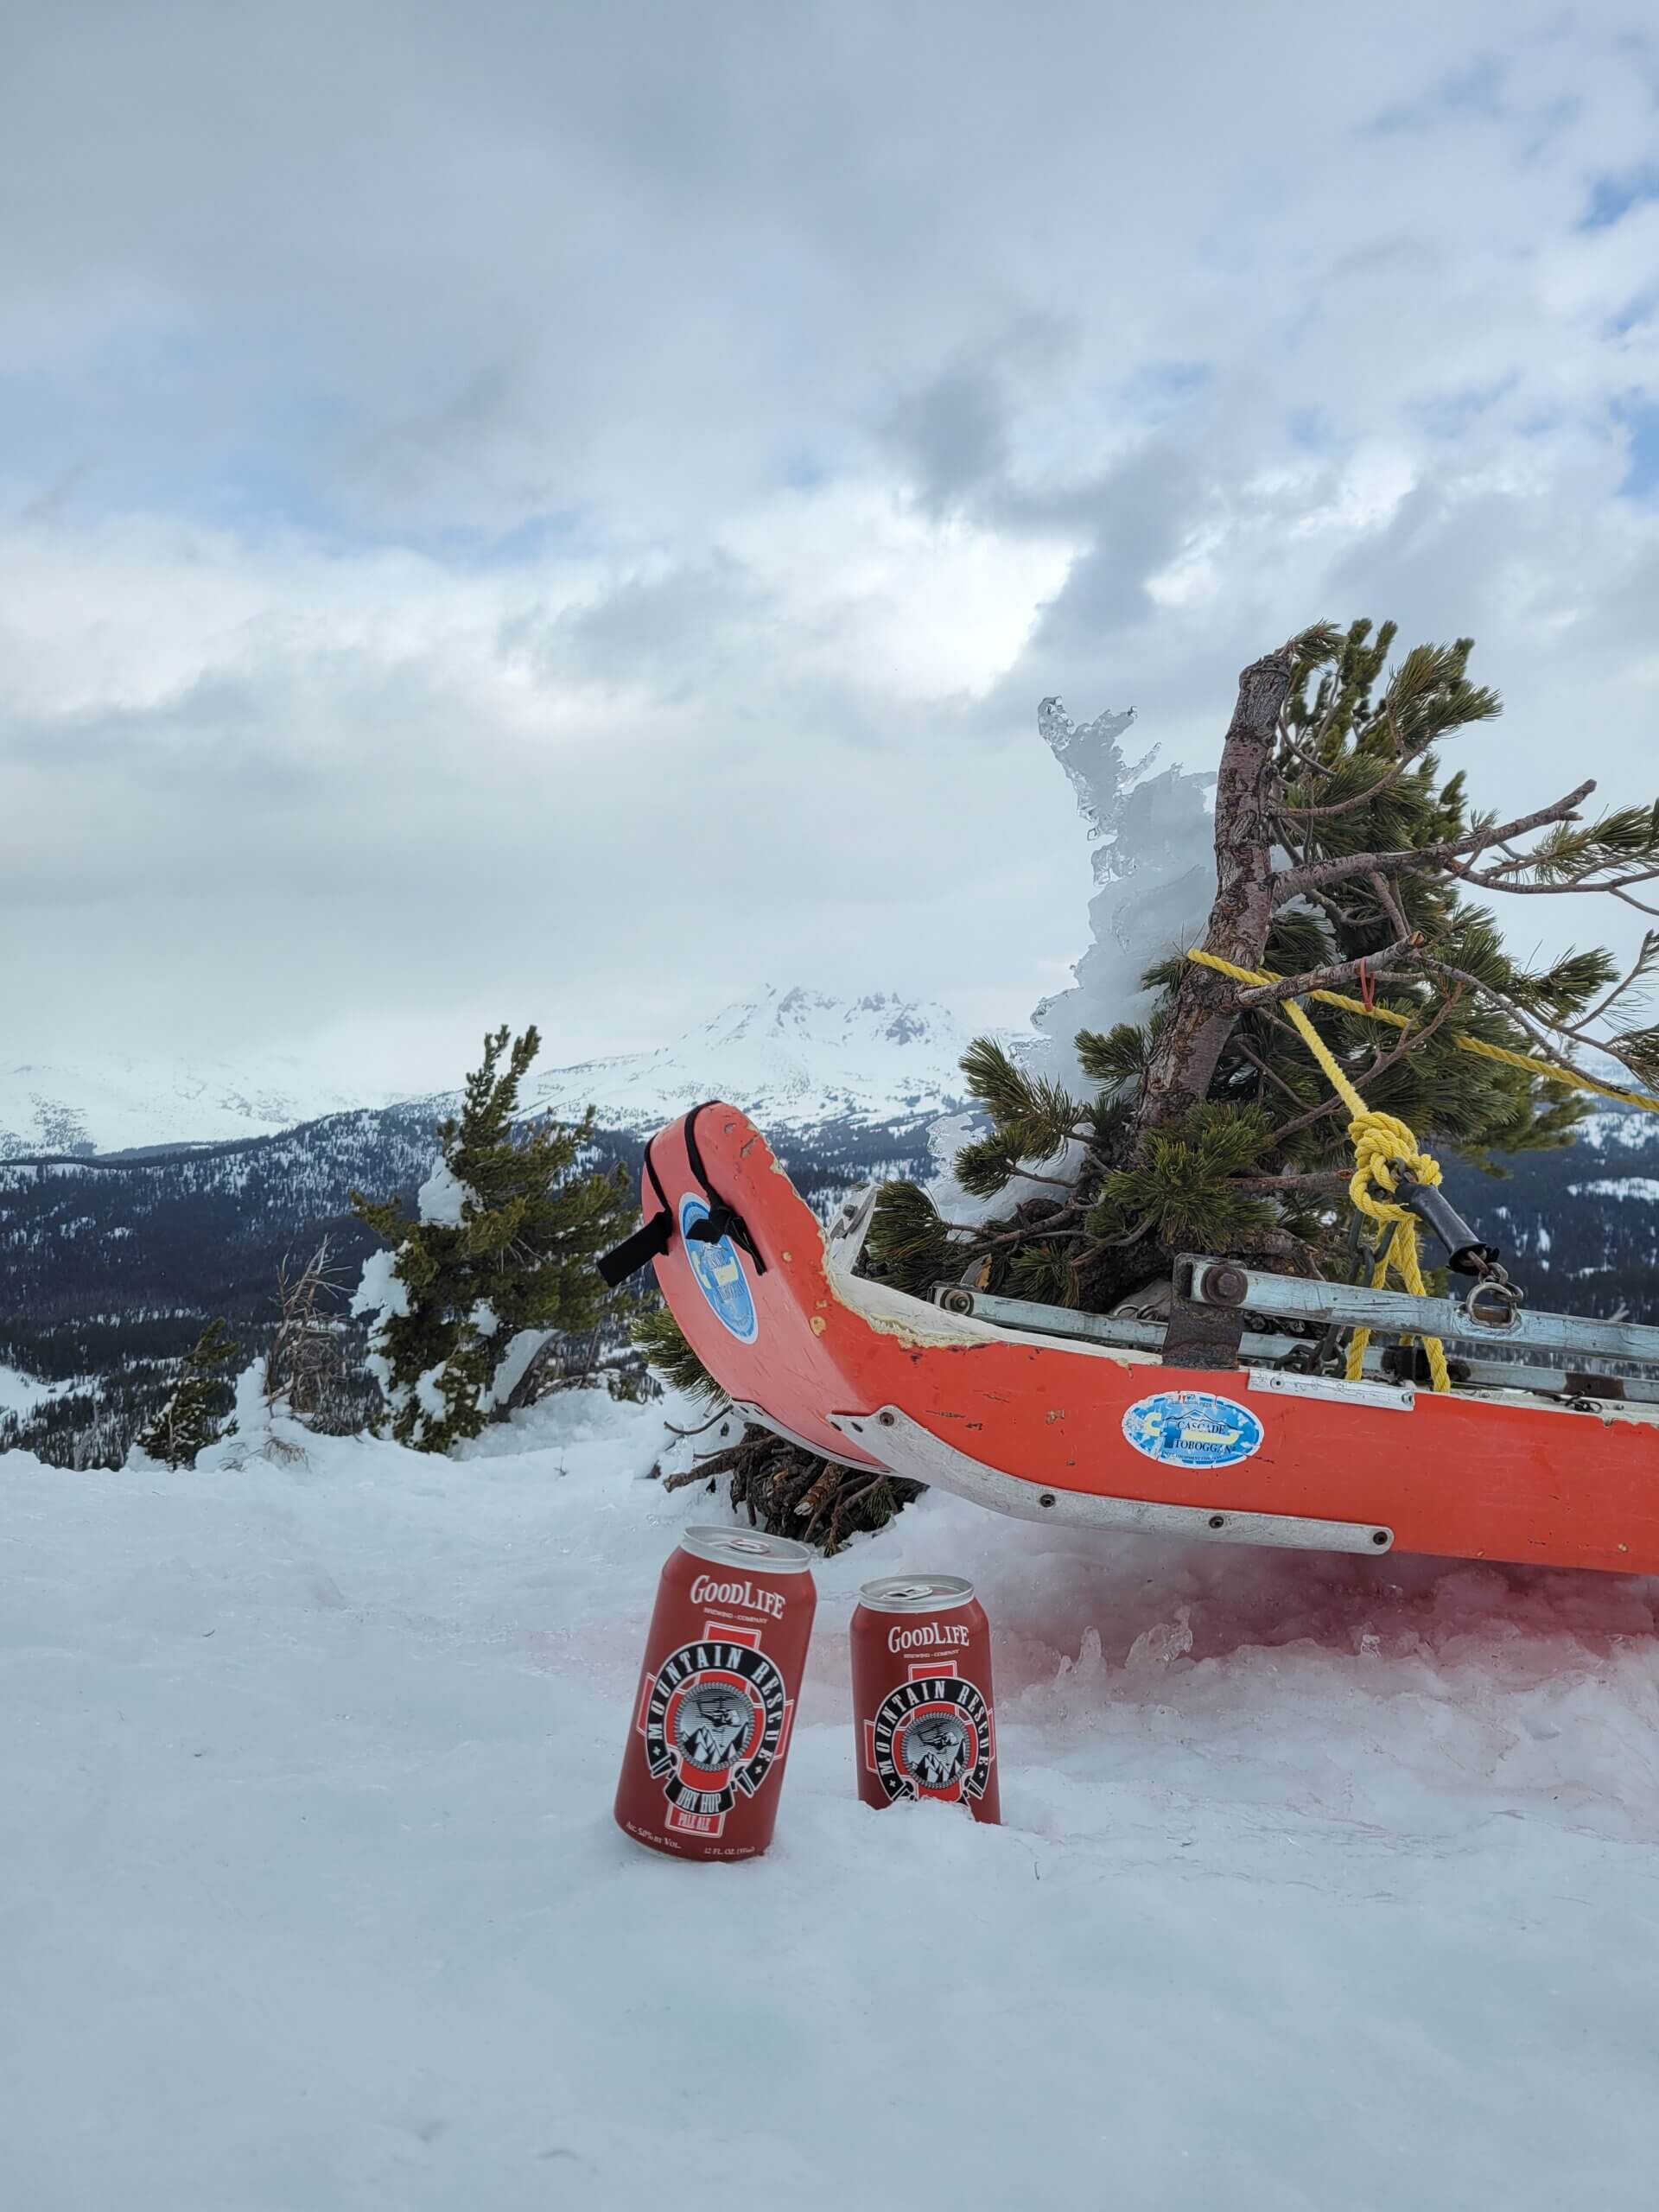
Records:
x=561, y=565
x=114, y=1261
x=803, y=1058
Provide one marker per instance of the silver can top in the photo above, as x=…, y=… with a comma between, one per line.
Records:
x=916, y=1593
x=747, y=1547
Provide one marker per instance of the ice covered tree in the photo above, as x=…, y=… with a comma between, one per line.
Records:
x=498, y=1264
x=197, y=1407
x=1347, y=858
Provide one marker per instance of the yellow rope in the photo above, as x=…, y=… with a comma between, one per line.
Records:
x=1548, y=1069
x=1378, y=1139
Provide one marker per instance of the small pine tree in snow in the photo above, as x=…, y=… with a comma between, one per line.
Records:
x=498, y=1264
x=193, y=1417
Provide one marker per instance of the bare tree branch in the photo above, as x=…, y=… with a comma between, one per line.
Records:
x=1323, y=1178
x=1540, y=1036
x=1298, y=881
x=1324, y=979
x=1271, y=1074
x=1490, y=879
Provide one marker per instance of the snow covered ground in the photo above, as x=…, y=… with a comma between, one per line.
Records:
x=21, y=1394
x=1325, y=1884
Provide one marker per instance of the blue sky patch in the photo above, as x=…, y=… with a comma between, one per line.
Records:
x=1612, y=197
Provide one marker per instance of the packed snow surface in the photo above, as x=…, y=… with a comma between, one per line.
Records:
x=1325, y=1884
x=23, y=1394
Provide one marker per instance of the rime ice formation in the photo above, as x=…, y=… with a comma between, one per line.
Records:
x=1154, y=876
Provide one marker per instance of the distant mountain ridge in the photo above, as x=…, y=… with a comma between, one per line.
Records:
x=115, y=1104
x=795, y=1059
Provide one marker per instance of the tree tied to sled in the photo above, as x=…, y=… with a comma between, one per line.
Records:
x=1348, y=861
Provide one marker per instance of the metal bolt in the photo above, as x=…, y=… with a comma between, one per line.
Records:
x=1379, y=1535
x=1047, y=1498
x=1225, y=1286
x=1217, y=1520
x=885, y=1420
x=957, y=1302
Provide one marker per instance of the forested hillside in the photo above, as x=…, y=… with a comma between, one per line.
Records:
x=112, y=1266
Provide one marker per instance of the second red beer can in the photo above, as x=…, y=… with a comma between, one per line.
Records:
x=922, y=1700
x=711, y=1724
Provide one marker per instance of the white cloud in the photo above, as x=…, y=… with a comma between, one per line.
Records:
x=573, y=522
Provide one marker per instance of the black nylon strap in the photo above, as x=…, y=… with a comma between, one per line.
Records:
x=723, y=1220
x=648, y=1243
x=651, y=1241
x=628, y=1258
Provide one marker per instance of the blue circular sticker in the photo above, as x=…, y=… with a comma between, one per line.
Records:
x=720, y=1275
x=1191, y=1428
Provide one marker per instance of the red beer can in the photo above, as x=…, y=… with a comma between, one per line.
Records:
x=922, y=1703
x=711, y=1724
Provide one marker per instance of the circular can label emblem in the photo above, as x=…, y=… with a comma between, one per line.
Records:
x=720, y=1275
x=1192, y=1428
x=714, y=1720
x=932, y=1738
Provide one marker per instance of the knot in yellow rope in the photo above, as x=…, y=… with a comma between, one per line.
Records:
x=1380, y=1140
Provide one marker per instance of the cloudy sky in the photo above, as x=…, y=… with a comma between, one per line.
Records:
x=565, y=512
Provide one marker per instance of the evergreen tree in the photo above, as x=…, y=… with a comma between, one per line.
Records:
x=1345, y=859
x=498, y=1264
x=195, y=1415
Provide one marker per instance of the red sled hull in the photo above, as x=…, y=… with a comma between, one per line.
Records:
x=1051, y=1428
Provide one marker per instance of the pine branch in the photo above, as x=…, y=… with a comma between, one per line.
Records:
x=1411, y=1041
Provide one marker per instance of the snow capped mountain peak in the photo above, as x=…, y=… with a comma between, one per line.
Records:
x=792, y=1059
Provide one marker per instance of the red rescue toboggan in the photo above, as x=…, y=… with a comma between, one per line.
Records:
x=1213, y=1421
